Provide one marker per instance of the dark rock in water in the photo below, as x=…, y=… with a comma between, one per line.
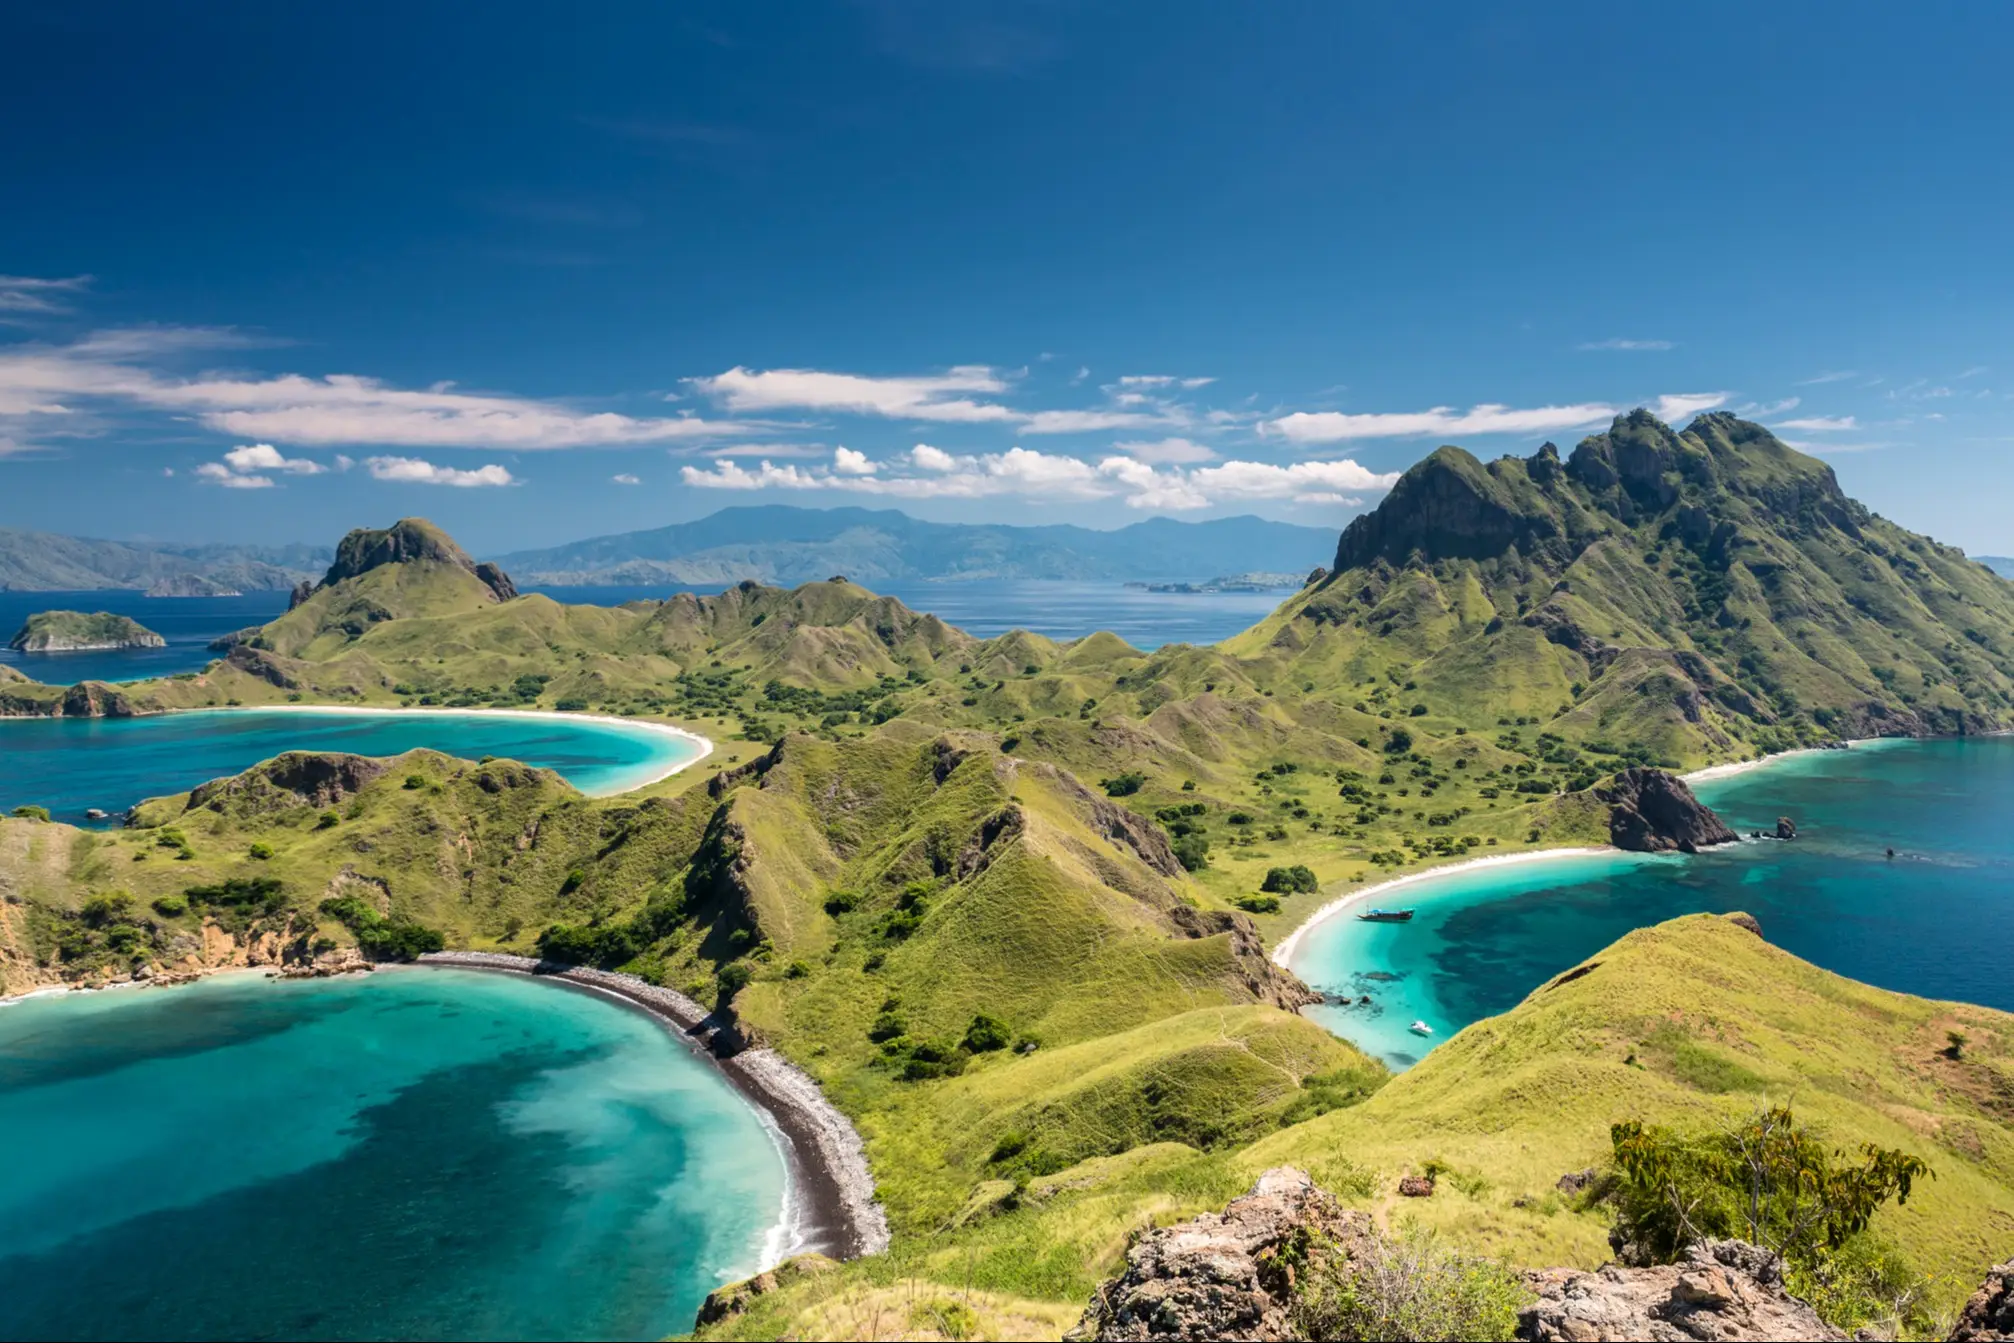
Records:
x=95, y=813
x=1381, y=976
x=1416, y=1186
x=1651, y=811
x=1786, y=828
x=1721, y=1290
x=1364, y=1000
x=1747, y=921
x=1989, y=1316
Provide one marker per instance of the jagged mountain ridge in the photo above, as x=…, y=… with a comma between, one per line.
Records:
x=1715, y=580
x=782, y=544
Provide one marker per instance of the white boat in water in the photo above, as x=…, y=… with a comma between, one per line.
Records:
x=1420, y=1028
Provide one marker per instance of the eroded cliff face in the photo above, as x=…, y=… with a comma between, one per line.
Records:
x=1651, y=811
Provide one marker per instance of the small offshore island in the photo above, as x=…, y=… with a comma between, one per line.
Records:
x=1009, y=906
x=75, y=631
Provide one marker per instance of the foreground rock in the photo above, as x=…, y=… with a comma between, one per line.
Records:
x=1722, y=1290
x=1989, y=1316
x=1222, y=1275
x=1651, y=811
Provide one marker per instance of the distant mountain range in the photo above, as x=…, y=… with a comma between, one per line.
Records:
x=46, y=562
x=785, y=545
x=1999, y=564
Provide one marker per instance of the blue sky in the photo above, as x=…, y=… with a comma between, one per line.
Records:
x=277, y=272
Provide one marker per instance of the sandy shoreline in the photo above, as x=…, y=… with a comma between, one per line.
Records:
x=1284, y=952
x=829, y=1199
x=704, y=744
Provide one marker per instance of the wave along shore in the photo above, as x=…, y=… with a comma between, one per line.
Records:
x=829, y=1200
x=1284, y=952
x=704, y=744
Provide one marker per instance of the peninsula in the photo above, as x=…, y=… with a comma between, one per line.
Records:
x=76, y=632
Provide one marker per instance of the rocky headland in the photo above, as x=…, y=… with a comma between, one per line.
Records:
x=1651, y=811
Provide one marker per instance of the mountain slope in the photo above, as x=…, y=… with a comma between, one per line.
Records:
x=1692, y=593
x=780, y=544
x=45, y=562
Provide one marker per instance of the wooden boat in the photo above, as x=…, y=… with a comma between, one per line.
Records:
x=1386, y=916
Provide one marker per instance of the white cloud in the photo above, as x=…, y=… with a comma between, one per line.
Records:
x=1148, y=488
x=1821, y=424
x=1167, y=452
x=928, y=458
x=1330, y=426
x=1676, y=406
x=916, y=398
x=1161, y=380
x=1757, y=411
x=32, y=294
x=1094, y=421
x=219, y=474
x=1618, y=343
x=847, y=462
x=413, y=471
x=1841, y=376
x=767, y=450
x=265, y=457
x=625, y=478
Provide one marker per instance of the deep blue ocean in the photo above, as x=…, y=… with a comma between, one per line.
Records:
x=410, y=1154
x=1935, y=920
x=984, y=608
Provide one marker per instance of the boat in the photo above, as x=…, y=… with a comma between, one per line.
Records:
x=1420, y=1028
x=1386, y=916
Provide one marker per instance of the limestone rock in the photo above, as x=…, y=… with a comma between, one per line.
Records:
x=1989, y=1316
x=1222, y=1275
x=1651, y=811
x=1416, y=1186
x=1721, y=1290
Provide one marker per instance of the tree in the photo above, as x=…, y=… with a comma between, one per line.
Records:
x=1399, y=742
x=1767, y=1180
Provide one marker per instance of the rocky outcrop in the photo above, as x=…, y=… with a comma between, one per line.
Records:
x=727, y=1302
x=1651, y=811
x=95, y=699
x=295, y=779
x=1721, y=1290
x=1786, y=828
x=1448, y=506
x=408, y=541
x=301, y=592
x=1228, y=1275
x=1989, y=1316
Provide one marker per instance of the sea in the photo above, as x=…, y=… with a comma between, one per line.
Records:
x=1936, y=919
x=415, y=1153
x=985, y=608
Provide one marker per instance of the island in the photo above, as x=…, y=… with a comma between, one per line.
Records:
x=74, y=632
x=191, y=585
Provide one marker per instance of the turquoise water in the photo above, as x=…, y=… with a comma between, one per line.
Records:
x=1936, y=920
x=71, y=764
x=417, y=1153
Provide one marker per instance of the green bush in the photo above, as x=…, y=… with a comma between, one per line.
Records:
x=260, y=851
x=328, y=820
x=985, y=1035
x=1773, y=1183
x=732, y=979
x=31, y=813
x=1258, y=904
x=1295, y=880
x=379, y=937
x=1192, y=851
x=171, y=906
x=1399, y=742
x=570, y=705
x=1123, y=785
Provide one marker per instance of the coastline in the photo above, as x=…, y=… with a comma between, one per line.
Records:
x=704, y=744
x=829, y=1198
x=1284, y=952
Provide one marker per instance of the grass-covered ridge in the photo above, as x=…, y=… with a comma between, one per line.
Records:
x=60, y=631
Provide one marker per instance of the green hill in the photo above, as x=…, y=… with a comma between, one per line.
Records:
x=68, y=631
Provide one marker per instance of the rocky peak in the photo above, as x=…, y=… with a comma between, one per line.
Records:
x=409, y=541
x=1651, y=811
x=1447, y=506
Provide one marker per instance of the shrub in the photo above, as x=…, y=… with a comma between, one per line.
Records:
x=31, y=813
x=1399, y=742
x=415, y=781
x=1295, y=880
x=1124, y=785
x=841, y=902
x=260, y=851
x=1407, y=1286
x=171, y=906
x=1192, y=851
x=1240, y=818
x=328, y=820
x=985, y=1035
x=732, y=979
x=1767, y=1180
x=570, y=705
x=1258, y=904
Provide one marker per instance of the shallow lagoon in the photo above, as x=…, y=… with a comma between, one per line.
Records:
x=415, y=1153
x=1936, y=920
x=71, y=764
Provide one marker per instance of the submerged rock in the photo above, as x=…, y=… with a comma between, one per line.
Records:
x=1651, y=811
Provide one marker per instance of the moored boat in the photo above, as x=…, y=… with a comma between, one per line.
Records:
x=1386, y=915
x=1420, y=1028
